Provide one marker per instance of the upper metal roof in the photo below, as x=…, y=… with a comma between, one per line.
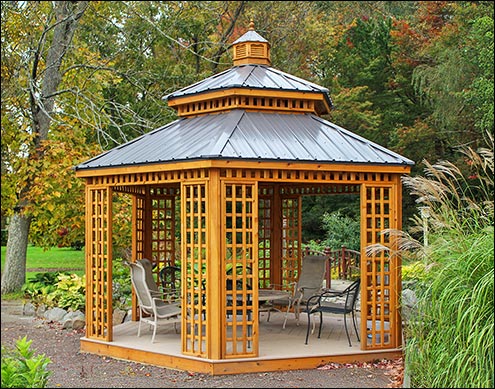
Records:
x=252, y=76
x=245, y=135
x=250, y=36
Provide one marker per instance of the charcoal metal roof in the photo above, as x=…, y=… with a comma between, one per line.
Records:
x=245, y=135
x=252, y=77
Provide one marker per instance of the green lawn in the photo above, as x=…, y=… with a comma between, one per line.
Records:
x=54, y=258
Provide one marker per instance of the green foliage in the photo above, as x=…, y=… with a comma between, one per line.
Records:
x=70, y=292
x=314, y=207
x=40, y=286
x=57, y=289
x=341, y=231
x=414, y=272
x=450, y=340
x=21, y=368
x=122, y=286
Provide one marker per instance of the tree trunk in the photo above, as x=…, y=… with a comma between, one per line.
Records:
x=14, y=272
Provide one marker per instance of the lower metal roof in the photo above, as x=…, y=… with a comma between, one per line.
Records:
x=245, y=135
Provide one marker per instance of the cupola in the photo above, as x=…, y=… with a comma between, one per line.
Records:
x=251, y=48
x=251, y=84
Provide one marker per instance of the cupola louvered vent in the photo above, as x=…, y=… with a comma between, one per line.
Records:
x=251, y=48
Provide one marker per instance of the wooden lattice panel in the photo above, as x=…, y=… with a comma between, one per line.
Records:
x=239, y=214
x=138, y=230
x=378, y=280
x=163, y=226
x=99, y=264
x=194, y=269
x=291, y=239
x=265, y=228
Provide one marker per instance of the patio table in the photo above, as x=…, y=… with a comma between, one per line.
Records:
x=266, y=298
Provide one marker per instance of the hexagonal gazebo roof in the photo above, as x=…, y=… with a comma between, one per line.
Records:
x=242, y=134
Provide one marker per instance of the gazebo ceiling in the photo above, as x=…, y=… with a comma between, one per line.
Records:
x=240, y=134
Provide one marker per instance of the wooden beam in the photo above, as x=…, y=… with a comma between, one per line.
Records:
x=235, y=164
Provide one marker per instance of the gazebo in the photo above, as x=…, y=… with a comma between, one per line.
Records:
x=249, y=143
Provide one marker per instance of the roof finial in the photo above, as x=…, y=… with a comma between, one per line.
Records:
x=251, y=25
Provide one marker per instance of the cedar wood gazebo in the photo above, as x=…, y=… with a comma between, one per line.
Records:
x=248, y=144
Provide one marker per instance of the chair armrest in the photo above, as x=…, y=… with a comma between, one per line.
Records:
x=170, y=298
x=156, y=293
x=314, y=301
x=332, y=293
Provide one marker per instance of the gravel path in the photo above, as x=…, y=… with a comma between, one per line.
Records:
x=73, y=369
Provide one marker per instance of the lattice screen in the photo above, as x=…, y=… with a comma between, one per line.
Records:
x=139, y=226
x=98, y=264
x=163, y=226
x=239, y=212
x=194, y=262
x=379, y=278
x=291, y=233
x=265, y=220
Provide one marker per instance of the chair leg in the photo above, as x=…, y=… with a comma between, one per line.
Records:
x=355, y=326
x=346, y=331
x=321, y=324
x=307, y=330
x=139, y=325
x=296, y=314
x=154, y=332
x=286, y=316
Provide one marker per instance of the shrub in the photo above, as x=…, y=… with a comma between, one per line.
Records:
x=68, y=291
x=21, y=368
x=58, y=289
x=122, y=287
x=341, y=231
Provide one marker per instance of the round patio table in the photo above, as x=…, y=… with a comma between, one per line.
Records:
x=266, y=296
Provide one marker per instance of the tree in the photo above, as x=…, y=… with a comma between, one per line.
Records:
x=67, y=96
x=34, y=119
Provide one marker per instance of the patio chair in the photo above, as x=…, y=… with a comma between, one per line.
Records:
x=310, y=282
x=170, y=279
x=328, y=302
x=152, y=309
x=150, y=280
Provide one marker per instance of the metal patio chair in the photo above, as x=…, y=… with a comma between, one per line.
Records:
x=327, y=302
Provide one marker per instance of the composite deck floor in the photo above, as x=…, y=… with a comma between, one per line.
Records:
x=279, y=348
x=274, y=341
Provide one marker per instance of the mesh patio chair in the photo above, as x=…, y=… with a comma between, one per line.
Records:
x=152, y=309
x=310, y=282
x=150, y=280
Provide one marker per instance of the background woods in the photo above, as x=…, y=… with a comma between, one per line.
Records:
x=81, y=77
